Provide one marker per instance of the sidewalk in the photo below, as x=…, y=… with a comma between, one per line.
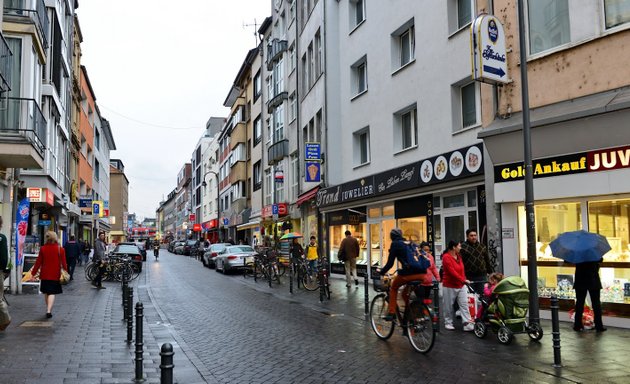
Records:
x=85, y=340
x=586, y=356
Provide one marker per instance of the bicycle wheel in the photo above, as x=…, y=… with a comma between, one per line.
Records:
x=282, y=269
x=378, y=310
x=420, y=327
x=309, y=281
x=90, y=271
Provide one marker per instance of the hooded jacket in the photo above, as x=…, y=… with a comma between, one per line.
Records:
x=398, y=250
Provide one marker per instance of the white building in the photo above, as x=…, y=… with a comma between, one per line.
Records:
x=204, y=169
x=103, y=144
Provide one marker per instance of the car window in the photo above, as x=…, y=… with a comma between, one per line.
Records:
x=192, y=242
x=240, y=248
x=217, y=248
x=126, y=249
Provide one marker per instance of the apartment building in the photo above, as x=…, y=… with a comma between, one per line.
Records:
x=118, y=200
x=166, y=217
x=209, y=181
x=578, y=97
x=103, y=144
x=87, y=119
x=183, y=200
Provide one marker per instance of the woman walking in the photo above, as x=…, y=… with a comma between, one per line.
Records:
x=453, y=283
x=50, y=260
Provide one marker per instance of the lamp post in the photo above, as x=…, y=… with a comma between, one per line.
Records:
x=204, y=184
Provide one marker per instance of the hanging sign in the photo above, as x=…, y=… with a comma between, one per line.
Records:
x=488, y=52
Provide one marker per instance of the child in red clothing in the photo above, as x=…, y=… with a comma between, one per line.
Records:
x=493, y=280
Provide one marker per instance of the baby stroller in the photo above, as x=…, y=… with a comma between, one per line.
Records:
x=506, y=312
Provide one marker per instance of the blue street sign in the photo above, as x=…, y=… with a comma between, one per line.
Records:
x=274, y=209
x=312, y=151
x=96, y=209
x=85, y=203
x=44, y=222
x=226, y=221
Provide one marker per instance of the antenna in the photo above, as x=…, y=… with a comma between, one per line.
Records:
x=255, y=25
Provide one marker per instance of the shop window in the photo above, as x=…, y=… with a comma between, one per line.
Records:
x=374, y=212
x=611, y=219
x=388, y=210
x=337, y=235
x=548, y=22
x=472, y=198
x=617, y=12
x=414, y=229
x=454, y=201
x=472, y=221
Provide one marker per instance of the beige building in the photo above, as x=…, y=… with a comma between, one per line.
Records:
x=118, y=200
x=577, y=55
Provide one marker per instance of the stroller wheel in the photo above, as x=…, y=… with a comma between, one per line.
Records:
x=535, y=331
x=505, y=335
x=480, y=329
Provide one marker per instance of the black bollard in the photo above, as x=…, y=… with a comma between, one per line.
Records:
x=290, y=276
x=436, y=306
x=139, y=343
x=555, y=332
x=320, y=281
x=366, y=293
x=124, y=291
x=125, y=298
x=129, y=314
x=166, y=364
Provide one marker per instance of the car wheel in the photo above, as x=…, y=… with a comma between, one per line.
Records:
x=203, y=261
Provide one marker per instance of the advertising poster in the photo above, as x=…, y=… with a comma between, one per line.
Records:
x=21, y=226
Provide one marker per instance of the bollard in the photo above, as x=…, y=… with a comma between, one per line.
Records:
x=366, y=293
x=129, y=314
x=555, y=332
x=124, y=290
x=320, y=281
x=139, y=343
x=125, y=298
x=436, y=306
x=166, y=364
x=291, y=276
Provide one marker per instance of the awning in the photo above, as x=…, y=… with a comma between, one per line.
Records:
x=306, y=196
x=251, y=224
x=117, y=233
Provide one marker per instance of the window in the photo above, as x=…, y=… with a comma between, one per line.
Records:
x=257, y=86
x=469, y=105
x=97, y=139
x=361, y=147
x=611, y=219
x=616, y=12
x=278, y=76
x=311, y=65
x=407, y=46
x=359, y=76
x=318, y=126
x=278, y=120
x=291, y=58
x=292, y=107
x=97, y=170
x=403, y=45
x=406, y=128
x=464, y=12
x=257, y=130
x=305, y=76
x=548, y=24
x=257, y=175
x=295, y=177
x=319, y=67
x=268, y=187
x=357, y=12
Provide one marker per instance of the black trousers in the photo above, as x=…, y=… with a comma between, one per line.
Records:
x=580, y=298
x=72, y=263
x=98, y=279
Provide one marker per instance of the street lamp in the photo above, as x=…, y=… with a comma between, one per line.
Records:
x=204, y=184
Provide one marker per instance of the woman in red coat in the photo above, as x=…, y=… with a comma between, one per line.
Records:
x=454, y=287
x=50, y=260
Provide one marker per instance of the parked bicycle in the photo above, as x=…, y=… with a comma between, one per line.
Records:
x=305, y=274
x=116, y=269
x=264, y=265
x=417, y=318
x=323, y=275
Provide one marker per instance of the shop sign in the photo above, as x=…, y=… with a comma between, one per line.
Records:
x=191, y=217
x=398, y=179
x=44, y=223
x=581, y=162
x=313, y=172
x=350, y=191
x=354, y=217
x=50, y=197
x=21, y=225
x=196, y=227
x=312, y=151
x=85, y=203
x=507, y=233
x=452, y=165
x=489, y=54
x=34, y=195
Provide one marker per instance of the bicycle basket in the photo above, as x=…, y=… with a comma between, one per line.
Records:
x=381, y=284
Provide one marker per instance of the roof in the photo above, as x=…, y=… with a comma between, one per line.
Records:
x=265, y=25
x=107, y=130
x=235, y=91
x=87, y=81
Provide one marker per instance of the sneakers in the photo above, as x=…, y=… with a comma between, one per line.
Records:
x=389, y=317
x=469, y=328
x=449, y=327
x=48, y=315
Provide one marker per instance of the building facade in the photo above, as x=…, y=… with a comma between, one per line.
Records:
x=183, y=207
x=209, y=181
x=118, y=200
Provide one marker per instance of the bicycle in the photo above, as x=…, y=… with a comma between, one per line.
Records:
x=418, y=320
x=265, y=265
x=322, y=279
x=305, y=274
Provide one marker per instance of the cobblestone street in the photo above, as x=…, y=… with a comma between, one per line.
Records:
x=227, y=329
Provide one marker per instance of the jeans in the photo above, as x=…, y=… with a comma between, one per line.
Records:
x=351, y=270
x=459, y=295
x=98, y=279
x=312, y=265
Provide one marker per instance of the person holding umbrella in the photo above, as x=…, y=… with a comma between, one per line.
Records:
x=585, y=250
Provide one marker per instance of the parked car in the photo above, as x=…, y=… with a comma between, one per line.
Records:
x=140, y=244
x=190, y=246
x=171, y=246
x=235, y=257
x=213, y=251
x=178, y=249
x=130, y=250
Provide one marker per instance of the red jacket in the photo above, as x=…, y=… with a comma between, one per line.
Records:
x=432, y=272
x=50, y=259
x=453, y=271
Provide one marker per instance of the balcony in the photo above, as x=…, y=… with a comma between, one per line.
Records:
x=275, y=49
x=5, y=65
x=22, y=134
x=32, y=11
x=277, y=100
x=278, y=151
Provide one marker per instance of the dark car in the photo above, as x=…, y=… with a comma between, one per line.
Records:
x=178, y=248
x=190, y=246
x=208, y=258
x=129, y=250
x=171, y=246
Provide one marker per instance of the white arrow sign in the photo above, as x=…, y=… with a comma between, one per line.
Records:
x=489, y=58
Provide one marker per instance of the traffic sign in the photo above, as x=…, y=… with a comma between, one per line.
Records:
x=489, y=55
x=274, y=209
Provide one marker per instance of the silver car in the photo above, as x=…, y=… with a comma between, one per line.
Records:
x=235, y=257
x=211, y=252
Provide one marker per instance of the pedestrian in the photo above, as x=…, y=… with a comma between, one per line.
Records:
x=5, y=318
x=312, y=255
x=350, y=247
x=476, y=261
x=99, y=259
x=432, y=272
x=81, y=244
x=73, y=253
x=51, y=258
x=297, y=252
x=254, y=242
x=87, y=249
x=454, y=288
x=231, y=240
x=587, y=280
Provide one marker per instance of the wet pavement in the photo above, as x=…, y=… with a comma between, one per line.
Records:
x=229, y=329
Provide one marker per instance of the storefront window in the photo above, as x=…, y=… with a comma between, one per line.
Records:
x=388, y=210
x=611, y=219
x=455, y=201
x=414, y=229
x=374, y=212
x=336, y=234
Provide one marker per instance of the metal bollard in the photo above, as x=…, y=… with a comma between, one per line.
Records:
x=139, y=343
x=129, y=314
x=125, y=298
x=320, y=282
x=291, y=276
x=436, y=306
x=555, y=332
x=124, y=290
x=166, y=364
x=366, y=293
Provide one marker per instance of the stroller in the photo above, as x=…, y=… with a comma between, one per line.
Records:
x=506, y=312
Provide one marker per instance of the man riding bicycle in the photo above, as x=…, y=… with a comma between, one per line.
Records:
x=398, y=251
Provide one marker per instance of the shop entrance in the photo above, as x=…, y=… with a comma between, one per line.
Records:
x=380, y=222
x=454, y=214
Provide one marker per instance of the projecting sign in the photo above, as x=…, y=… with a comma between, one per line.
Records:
x=313, y=172
x=488, y=53
x=312, y=151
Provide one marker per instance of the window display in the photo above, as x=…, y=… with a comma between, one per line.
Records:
x=336, y=233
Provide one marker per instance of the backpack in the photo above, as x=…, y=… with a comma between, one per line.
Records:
x=414, y=261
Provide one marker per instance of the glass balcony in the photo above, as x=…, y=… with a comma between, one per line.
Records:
x=5, y=65
x=22, y=124
x=35, y=10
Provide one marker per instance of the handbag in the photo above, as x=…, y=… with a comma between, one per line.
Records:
x=5, y=318
x=64, y=277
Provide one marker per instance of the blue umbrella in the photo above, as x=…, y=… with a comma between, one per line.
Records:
x=579, y=246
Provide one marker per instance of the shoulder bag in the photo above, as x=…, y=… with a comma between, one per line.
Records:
x=64, y=277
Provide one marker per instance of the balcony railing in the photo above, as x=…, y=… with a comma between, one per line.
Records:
x=33, y=9
x=22, y=117
x=5, y=64
x=278, y=151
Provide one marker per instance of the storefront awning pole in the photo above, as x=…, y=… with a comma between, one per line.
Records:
x=532, y=270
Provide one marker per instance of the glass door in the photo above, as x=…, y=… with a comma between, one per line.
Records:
x=454, y=227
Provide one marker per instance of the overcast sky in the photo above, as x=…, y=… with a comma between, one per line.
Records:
x=159, y=70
